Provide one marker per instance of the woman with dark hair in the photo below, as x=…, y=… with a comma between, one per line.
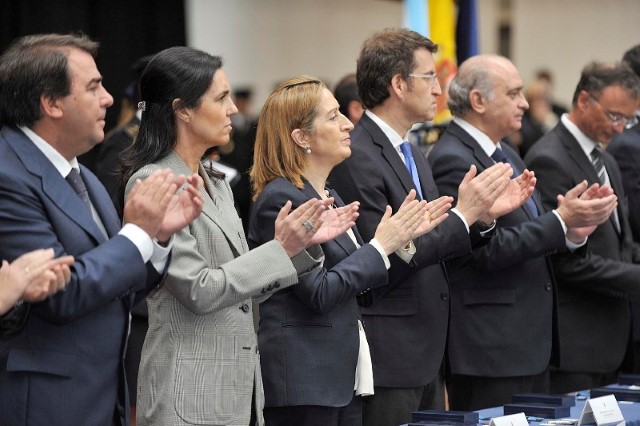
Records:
x=314, y=354
x=200, y=358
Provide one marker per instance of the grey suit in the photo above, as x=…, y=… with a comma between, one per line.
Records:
x=200, y=359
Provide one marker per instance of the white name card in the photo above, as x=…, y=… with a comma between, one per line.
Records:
x=602, y=411
x=511, y=420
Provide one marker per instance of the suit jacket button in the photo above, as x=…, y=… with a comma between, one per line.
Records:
x=269, y=287
x=276, y=285
x=244, y=308
x=444, y=295
x=547, y=287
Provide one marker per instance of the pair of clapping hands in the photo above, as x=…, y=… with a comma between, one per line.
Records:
x=481, y=197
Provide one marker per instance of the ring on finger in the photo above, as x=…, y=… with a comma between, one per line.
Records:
x=308, y=224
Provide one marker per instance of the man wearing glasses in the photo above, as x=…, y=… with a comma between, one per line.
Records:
x=406, y=322
x=594, y=290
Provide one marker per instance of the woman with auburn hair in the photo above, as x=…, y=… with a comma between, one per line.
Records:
x=200, y=361
x=314, y=354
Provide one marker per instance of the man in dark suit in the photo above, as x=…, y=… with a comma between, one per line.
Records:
x=625, y=148
x=502, y=294
x=65, y=366
x=407, y=323
x=594, y=290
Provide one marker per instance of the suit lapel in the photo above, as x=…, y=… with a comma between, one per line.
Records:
x=221, y=211
x=391, y=156
x=344, y=241
x=577, y=154
x=54, y=185
x=585, y=165
x=483, y=159
x=101, y=202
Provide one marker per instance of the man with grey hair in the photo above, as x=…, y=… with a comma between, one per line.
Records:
x=502, y=326
x=594, y=290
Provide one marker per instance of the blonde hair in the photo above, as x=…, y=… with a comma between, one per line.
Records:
x=292, y=105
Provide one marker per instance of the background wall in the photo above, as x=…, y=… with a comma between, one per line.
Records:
x=266, y=41
x=564, y=35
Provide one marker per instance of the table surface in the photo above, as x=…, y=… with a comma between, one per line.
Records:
x=630, y=412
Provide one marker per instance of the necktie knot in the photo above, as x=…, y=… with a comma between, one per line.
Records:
x=499, y=156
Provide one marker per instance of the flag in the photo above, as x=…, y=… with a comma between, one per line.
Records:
x=415, y=16
x=467, y=30
x=442, y=15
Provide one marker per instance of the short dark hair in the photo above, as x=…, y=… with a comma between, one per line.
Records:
x=632, y=58
x=181, y=73
x=384, y=55
x=34, y=66
x=597, y=76
x=346, y=91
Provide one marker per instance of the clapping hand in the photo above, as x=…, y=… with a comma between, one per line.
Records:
x=183, y=208
x=515, y=195
x=336, y=222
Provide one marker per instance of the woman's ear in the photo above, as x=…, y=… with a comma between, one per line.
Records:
x=300, y=138
x=181, y=112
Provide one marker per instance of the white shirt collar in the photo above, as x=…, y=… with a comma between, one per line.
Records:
x=482, y=139
x=586, y=143
x=393, y=136
x=59, y=162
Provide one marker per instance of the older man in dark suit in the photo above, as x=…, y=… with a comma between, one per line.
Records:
x=502, y=294
x=407, y=322
x=594, y=290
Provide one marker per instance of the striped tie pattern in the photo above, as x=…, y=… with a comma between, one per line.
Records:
x=598, y=164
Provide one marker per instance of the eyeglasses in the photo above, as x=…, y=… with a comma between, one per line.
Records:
x=627, y=122
x=430, y=76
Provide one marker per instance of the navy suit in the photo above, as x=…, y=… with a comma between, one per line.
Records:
x=65, y=367
x=593, y=290
x=502, y=294
x=407, y=321
x=308, y=335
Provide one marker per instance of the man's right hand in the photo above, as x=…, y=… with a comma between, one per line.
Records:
x=477, y=193
x=148, y=201
x=587, y=207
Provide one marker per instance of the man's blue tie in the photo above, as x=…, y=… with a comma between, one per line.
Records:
x=499, y=156
x=411, y=166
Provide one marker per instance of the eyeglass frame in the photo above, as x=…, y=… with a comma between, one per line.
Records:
x=627, y=122
x=429, y=76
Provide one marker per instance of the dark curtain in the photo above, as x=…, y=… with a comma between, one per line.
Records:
x=126, y=30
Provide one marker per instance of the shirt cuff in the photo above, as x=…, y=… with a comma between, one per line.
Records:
x=376, y=244
x=161, y=254
x=406, y=253
x=140, y=239
x=461, y=216
x=571, y=246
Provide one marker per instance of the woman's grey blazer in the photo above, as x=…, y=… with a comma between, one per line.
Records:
x=200, y=359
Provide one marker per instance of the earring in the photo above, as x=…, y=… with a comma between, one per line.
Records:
x=308, y=150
